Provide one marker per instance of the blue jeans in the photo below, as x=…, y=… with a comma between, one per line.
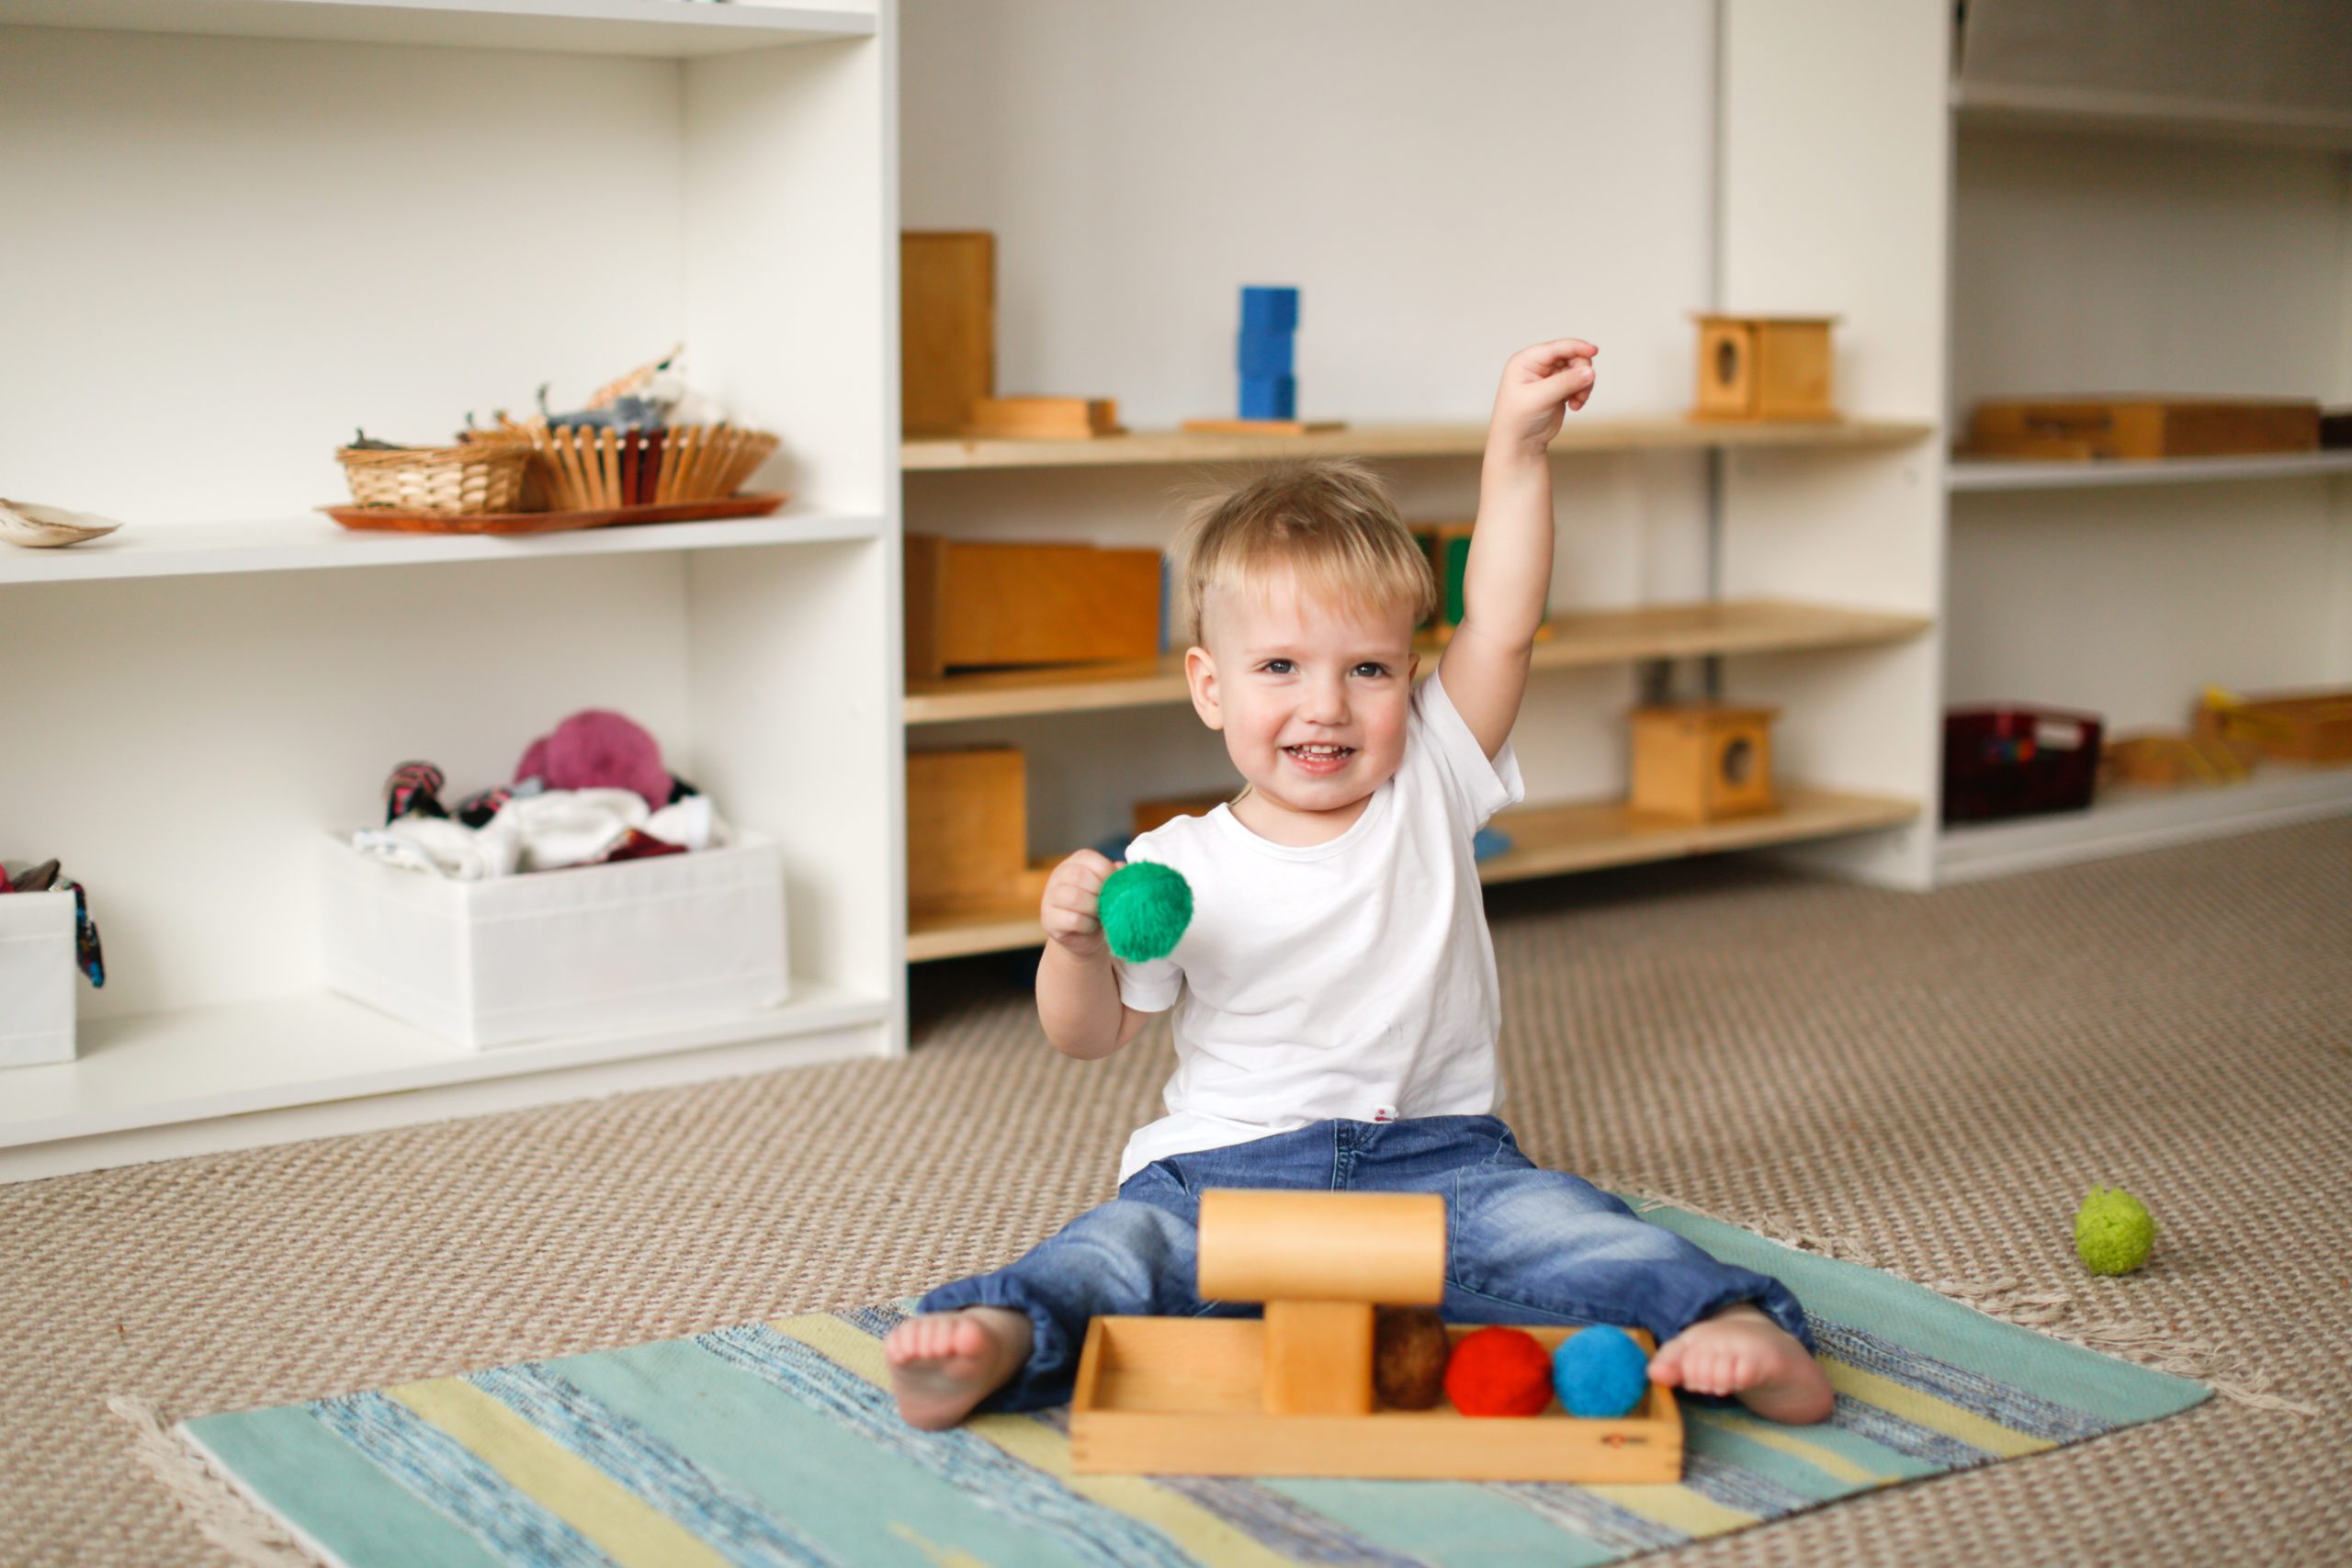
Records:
x=1523, y=1244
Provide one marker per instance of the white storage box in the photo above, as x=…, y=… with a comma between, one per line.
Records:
x=588, y=950
x=37, y=978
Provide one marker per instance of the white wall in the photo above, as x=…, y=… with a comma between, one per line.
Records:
x=293, y=238
x=1445, y=185
x=2089, y=265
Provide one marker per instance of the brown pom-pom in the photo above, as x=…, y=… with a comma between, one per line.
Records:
x=1408, y=1352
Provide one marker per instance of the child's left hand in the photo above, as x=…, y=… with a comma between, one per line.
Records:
x=1540, y=385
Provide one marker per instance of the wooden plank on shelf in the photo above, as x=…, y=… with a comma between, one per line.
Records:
x=1417, y=440
x=1579, y=639
x=1588, y=836
x=1548, y=841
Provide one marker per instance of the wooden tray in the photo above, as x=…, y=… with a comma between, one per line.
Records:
x=1184, y=1396
x=376, y=519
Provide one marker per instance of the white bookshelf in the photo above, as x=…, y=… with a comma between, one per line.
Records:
x=2088, y=236
x=269, y=220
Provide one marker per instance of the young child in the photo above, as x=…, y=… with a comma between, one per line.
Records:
x=1335, y=998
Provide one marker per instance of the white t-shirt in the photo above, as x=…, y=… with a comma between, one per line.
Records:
x=1350, y=979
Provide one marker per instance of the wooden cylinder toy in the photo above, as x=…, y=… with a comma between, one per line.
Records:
x=1385, y=1247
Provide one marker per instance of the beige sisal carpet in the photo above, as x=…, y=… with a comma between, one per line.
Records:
x=1928, y=1083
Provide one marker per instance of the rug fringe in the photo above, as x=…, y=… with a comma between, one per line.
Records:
x=2224, y=1373
x=227, y=1516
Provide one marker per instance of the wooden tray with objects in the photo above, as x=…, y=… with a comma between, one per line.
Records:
x=380, y=519
x=1292, y=1393
x=1185, y=1396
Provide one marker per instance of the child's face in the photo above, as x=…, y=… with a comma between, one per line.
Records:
x=1311, y=696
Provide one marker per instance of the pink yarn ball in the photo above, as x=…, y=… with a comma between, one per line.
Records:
x=599, y=749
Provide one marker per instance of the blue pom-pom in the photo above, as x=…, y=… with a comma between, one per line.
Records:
x=1600, y=1372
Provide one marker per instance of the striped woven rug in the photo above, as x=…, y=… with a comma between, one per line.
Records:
x=777, y=1443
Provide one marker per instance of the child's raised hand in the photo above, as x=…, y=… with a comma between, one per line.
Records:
x=1070, y=910
x=1540, y=385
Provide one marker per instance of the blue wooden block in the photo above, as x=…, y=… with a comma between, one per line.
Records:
x=1269, y=309
x=1269, y=396
x=1265, y=354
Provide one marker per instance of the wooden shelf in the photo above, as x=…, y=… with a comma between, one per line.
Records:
x=1547, y=840
x=2124, y=821
x=1432, y=440
x=1977, y=473
x=658, y=29
x=1578, y=640
x=159, y=1084
x=306, y=544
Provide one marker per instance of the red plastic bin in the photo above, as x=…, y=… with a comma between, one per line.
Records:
x=2014, y=760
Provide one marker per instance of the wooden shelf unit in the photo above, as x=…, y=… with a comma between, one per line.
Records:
x=1658, y=433
x=1547, y=840
x=1578, y=640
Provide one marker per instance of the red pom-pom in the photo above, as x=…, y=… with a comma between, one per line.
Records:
x=1498, y=1372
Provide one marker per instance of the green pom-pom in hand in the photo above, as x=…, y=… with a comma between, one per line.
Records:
x=2112, y=1232
x=1144, y=910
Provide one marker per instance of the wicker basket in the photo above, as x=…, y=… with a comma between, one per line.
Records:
x=448, y=480
x=583, y=469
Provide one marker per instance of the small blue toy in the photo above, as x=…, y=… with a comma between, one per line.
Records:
x=1600, y=1372
x=1265, y=353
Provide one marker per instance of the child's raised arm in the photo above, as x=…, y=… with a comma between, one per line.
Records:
x=1509, y=570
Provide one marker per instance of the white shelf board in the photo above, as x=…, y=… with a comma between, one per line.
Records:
x=1988, y=474
x=659, y=28
x=207, y=1068
x=2124, y=821
x=305, y=543
x=2016, y=106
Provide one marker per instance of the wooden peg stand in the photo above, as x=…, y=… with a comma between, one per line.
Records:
x=1292, y=1394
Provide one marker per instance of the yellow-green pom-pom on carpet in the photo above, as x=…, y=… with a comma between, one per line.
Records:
x=2114, y=1233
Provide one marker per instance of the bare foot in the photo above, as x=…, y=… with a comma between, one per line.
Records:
x=943, y=1363
x=1741, y=1352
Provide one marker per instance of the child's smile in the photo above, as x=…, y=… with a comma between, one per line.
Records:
x=1311, y=696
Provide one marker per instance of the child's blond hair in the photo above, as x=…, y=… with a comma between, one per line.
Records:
x=1332, y=525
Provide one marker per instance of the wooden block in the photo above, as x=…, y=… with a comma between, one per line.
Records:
x=1264, y=427
x=1185, y=1396
x=1793, y=370
x=1044, y=419
x=2166, y=761
x=1384, y=1247
x=1765, y=368
x=2142, y=427
x=1318, y=1358
x=2296, y=727
x=1447, y=547
x=1150, y=814
x=946, y=328
x=1702, y=762
x=967, y=826
x=972, y=605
